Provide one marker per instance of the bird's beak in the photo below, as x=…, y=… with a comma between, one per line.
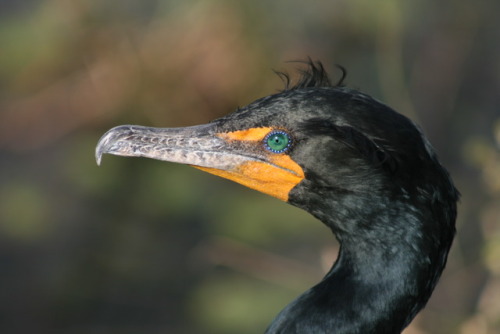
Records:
x=237, y=156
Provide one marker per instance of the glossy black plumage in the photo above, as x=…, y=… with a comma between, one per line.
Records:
x=371, y=177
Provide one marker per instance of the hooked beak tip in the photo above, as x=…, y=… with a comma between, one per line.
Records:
x=105, y=143
x=98, y=157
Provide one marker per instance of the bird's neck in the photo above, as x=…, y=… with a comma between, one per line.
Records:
x=377, y=285
x=373, y=290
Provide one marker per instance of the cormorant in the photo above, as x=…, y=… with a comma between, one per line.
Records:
x=364, y=170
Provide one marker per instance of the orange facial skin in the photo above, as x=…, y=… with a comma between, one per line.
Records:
x=276, y=176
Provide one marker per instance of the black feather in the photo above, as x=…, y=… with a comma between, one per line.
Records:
x=314, y=75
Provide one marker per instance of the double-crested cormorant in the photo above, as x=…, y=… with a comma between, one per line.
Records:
x=361, y=168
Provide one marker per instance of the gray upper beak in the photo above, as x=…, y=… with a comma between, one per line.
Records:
x=194, y=145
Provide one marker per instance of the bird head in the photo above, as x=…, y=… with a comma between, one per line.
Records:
x=310, y=142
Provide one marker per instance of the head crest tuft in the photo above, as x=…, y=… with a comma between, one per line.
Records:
x=314, y=75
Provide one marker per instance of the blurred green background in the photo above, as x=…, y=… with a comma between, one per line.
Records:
x=141, y=246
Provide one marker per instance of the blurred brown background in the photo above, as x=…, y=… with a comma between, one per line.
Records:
x=141, y=246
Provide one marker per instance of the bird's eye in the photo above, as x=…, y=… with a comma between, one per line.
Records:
x=277, y=141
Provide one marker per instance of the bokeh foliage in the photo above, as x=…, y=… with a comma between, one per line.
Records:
x=139, y=246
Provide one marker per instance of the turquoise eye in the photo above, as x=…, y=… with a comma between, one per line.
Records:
x=277, y=141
